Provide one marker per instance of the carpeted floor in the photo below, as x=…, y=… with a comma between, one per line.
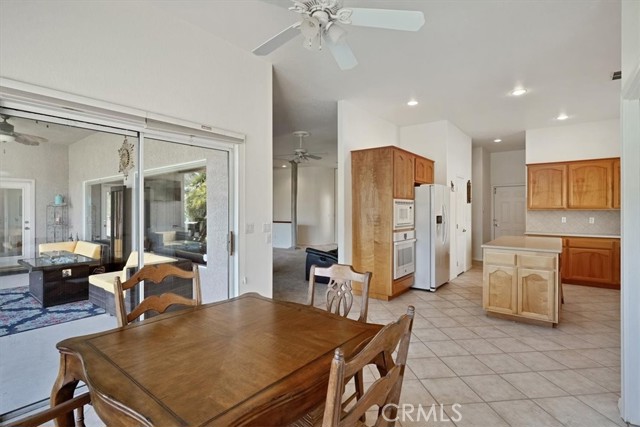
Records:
x=288, y=275
x=20, y=312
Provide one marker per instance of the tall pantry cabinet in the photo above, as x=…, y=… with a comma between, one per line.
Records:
x=379, y=175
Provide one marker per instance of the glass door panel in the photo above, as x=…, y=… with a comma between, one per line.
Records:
x=186, y=210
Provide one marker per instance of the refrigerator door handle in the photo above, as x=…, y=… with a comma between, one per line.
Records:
x=444, y=224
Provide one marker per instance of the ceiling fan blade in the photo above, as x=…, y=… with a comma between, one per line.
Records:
x=404, y=20
x=29, y=139
x=342, y=53
x=278, y=40
x=314, y=157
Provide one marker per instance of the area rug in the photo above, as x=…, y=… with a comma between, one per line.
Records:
x=20, y=312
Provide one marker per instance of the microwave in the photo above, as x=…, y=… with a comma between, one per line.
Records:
x=403, y=210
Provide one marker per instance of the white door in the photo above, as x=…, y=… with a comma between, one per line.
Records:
x=509, y=208
x=461, y=225
x=16, y=221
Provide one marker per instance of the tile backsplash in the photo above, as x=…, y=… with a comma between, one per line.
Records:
x=605, y=222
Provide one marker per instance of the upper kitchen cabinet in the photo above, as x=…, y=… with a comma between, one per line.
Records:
x=423, y=170
x=403, y=174
x=591, y=184
x=585, y=184
x=616, y=183
x=546, y=186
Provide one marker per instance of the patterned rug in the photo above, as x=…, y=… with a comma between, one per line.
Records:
x=20, y=312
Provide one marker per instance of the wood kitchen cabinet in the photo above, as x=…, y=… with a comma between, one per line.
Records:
x=424, y=170
x=546, y=186
x=590, y=184
x=379, y=175
x=520, y=281
x=403, y=174
x=616, y=183
x=585, y=185
x=592, y=261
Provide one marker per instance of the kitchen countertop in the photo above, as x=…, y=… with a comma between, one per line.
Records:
x=526, y=243
x=601, y=236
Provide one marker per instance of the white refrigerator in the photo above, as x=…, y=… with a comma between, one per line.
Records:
x=432, y=236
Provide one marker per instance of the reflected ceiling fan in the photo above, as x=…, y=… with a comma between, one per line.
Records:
x=8, y=134
x=321, y=24
x=301, y=154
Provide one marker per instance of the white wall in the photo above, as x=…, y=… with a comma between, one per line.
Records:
x=48, y=164
x=316, y=203
x=125, y=55
x=357, y=129
x=630, y=289
x=428, y=140
x=590, y=140
x=508, y=168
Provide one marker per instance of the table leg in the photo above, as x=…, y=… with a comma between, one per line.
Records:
x=64, y=387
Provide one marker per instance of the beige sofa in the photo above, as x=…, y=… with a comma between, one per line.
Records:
x=101, y=286
x=80, y=247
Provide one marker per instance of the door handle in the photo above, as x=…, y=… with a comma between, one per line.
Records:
x=464, y=230
x=27, y=228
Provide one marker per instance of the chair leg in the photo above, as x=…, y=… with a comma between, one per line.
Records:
x=80, y=416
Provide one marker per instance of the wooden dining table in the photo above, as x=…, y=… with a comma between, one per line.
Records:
x=246, y=361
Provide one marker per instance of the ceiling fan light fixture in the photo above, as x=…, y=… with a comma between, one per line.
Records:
x=562, y=116
x=497, y=140
x=412, y=103
x=519, y=91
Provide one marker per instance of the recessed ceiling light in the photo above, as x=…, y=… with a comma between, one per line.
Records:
x=518, y=91
x=412, y=103
x=284, y=166
x=497, y=140
x=562, y=117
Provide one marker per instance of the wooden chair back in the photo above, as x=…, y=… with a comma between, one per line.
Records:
x=44, y=417
x=384, y=392
x=155, y=273
x=339, y=289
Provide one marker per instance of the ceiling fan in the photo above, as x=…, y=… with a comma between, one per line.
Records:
x=301, y=154
x=7, y=134
x=321, y=21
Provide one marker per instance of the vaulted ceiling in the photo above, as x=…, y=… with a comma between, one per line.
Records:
x=460, y=66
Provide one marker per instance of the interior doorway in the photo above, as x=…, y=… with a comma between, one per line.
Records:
x=509, y=210
x=16, y=220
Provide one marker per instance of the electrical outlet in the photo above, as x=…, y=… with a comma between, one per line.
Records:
x=249, y=228
x=592, y=220
x=563, y=220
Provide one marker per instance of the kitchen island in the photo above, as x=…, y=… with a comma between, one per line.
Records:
x=521, y=279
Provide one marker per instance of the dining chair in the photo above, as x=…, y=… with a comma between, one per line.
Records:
x=49, y=414
x=155, y=273
x=339, y=289
x=384, y=393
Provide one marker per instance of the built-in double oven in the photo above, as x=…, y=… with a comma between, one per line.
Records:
x=404, y=238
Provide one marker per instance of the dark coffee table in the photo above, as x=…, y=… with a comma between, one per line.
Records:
x=59, y=277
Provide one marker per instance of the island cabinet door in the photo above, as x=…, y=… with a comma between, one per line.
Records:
x=500, y=290
x=536, y=296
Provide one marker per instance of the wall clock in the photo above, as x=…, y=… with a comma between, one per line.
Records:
x=126, y=157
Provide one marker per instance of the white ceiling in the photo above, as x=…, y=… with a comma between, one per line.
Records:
x=461, y=66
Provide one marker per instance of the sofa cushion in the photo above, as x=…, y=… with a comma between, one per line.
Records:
x=88, y=249
x=68, y=246
x=106, y=281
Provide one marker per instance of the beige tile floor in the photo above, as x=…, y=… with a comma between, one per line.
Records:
x=503, y=373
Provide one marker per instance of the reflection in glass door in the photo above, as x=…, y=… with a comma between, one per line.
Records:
x=16, y=207
x=186, y=210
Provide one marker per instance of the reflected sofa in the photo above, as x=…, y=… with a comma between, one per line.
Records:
x=79, y=247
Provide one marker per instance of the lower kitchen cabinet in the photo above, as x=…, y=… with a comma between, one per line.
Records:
x=521, y=285
x=591, y=261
